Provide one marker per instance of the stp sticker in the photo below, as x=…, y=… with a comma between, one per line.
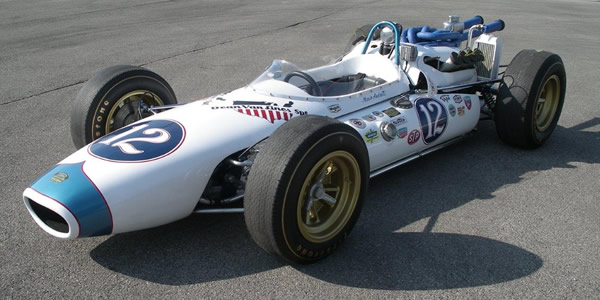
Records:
x=358, y=123
x=145, y=141
x=432, y=117
x=457, y=99
x=467, y=102
x=413, y=137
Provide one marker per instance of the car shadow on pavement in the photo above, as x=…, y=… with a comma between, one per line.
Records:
x=379, y=254
x=201, y=248
x=383, y=253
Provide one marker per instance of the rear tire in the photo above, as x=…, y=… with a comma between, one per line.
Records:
x=111, y=100
x=530, y=98
x=306, y=188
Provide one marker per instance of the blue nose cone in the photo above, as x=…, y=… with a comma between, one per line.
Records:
x=69, y=185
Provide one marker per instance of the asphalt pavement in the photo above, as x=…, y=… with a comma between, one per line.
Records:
x=476, y=220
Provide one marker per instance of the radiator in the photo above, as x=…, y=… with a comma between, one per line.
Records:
x=491, y=47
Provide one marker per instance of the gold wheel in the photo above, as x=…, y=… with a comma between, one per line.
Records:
x=547, y=103
x=116, y=97
x=128, y=109
x=328, y=196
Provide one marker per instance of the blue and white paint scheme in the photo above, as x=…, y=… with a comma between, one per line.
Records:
x=145, y=141
x=155, y=171
x=80, y=199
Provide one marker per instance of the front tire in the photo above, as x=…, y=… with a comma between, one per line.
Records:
x=306, y=188
x=530, y=98
x=113, y=98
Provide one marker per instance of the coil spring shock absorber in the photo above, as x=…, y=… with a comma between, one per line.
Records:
x=488, y=98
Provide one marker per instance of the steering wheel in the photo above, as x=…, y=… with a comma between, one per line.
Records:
x=316, y=89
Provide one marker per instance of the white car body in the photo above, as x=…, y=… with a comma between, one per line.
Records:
x=133, y=194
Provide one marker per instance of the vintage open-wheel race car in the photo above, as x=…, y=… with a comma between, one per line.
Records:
x=294, y=149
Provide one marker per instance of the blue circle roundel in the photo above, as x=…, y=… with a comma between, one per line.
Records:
x=140, y=142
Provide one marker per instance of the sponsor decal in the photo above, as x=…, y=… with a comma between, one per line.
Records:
x=358, y=123
x=402, y=132
x=432, y=86
x=375, y=96
x=267, y=114
x=461, y=111
x=457, y=99
x=432, y=117
x=399, y=121
x=369, y=118
x=240, y=102
x=141, y=142
x=452, y=110
x=391, y=112
x=467, y=102
x=269, y=111
x=59, y=177
x=334, y=108
x=371, y=136
x=413, y=137
x=445, y=98
x=378, y=114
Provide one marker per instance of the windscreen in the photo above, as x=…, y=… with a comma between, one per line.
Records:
x=277, y=70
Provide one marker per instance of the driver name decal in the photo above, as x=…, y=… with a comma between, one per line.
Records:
x=141, y=142
x=375, y=96
x=432, y=117
x=269, y=111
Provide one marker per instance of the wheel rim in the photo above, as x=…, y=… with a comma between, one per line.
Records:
x=547, y=103
x=328, y=196
x=128, y=109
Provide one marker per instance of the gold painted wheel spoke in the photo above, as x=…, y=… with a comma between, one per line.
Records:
x=323, y=174
x=312, y=216
x=309, y=204
x=316, y=216
x=129, y=102
x=331, y=169
x=334, y=189
x=328, y=196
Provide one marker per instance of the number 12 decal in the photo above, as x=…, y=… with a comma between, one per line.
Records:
x=432, y=117
x=141, y=142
